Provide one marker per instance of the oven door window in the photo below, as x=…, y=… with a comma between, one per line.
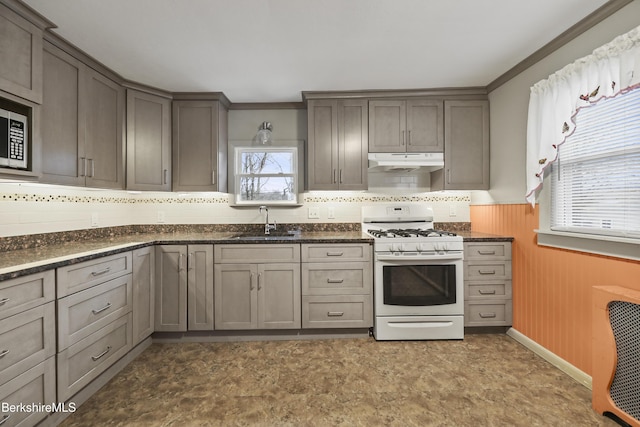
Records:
x=419, y=285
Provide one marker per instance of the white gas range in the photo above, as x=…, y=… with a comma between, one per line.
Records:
x=418, y=274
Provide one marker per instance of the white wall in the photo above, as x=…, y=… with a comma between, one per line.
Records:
x=509, y=105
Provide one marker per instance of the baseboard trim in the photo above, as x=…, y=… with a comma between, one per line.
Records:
x=566, y=367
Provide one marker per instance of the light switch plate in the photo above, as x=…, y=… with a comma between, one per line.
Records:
x=161, y=217
x=331, y=213
x=452, y=210
x=94, y=219
x=314, y=213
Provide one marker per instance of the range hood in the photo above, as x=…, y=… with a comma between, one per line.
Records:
x=406, y=161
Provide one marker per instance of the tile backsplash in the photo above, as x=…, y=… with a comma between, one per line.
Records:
x=35, y=208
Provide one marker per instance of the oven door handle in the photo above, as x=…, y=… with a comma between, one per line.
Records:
x=446, y=257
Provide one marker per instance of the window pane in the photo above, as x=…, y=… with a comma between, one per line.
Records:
x=267, y=188
x=273, y=162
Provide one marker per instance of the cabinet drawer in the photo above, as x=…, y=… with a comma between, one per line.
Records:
x=26, y=339
x=23, y=293
x=74, y=278
x=83, y=313
x=487, y=270
x=79, y=364
x=342, y=278
x=332, y=252
x=340, y=311
x=256, y=253
x=491, y=289
x=487, y=250
x=488, y=313
x=37, y=385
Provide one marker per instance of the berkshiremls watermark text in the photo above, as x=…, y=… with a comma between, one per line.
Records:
x=37, y=407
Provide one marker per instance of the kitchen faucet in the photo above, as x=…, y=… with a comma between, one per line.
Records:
x=268, y=227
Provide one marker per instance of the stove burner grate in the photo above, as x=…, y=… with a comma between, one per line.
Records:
x=397, y=232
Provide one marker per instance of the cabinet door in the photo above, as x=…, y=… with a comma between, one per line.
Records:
x=387, y=126
x=199, y=133
x=63, y=116
x=200, y=288
x=425, y=124
x=148, y=141
x=466, y=151
x=143, y=293
x=105, y=103
x=322, y=165
x=21, y=64
x=236, y=296
x=279, y=296
x=353, y=143
x=171, y=288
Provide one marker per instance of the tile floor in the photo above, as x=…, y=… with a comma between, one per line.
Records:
x=484, y=380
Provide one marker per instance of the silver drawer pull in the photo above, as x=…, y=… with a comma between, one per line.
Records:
x=335, y=280
x=487, y=252
x=335, y=253
x=4, y=301
x=5, y=418
x=487, y=271
x=335, y=313
x=100, y=310
x=487, y=315
x=482, y=292
x=4, y=353
x=101, y=354
x=101, y=272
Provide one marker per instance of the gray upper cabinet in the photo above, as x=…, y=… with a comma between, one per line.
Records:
x=338, y=138
x=466, y=150
x=412, y=125
x=148, y=141
x=199, y=146
x=82, y=124
x=21, y=47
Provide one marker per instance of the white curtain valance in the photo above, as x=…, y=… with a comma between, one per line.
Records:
x=610, y=70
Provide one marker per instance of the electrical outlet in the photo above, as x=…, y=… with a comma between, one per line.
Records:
x=331, y=212
x=94, y=219
x=452, y=210
x=161, y=217
x=314, y=213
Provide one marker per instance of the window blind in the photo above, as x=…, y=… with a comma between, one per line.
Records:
x=595, y=184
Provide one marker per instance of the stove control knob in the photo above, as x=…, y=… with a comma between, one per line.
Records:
x=398, y=247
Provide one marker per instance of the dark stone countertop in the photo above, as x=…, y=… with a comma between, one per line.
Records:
x=27, y=261
x=474, y=236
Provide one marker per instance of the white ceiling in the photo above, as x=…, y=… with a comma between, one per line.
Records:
x=271, y=50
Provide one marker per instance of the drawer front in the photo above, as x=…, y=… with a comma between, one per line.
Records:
x=491, y=289
x=26, y=339
x=74, y=278
x=79, y=364
x=343, y=278
x=332, y=252
x=488, y=313
x=37, y=385
x=83, y=313
x=487, y=250
x=340, y=311
x=23, y=293
x=487, y=270
x=256, y=253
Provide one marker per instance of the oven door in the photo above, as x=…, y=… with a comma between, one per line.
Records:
x=415, y=285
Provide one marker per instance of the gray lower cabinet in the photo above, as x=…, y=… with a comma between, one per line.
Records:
x=143, y=262
x=184, y=288
x=257, y=295
x=148, y=141
x=487, y=284
x=466, y=147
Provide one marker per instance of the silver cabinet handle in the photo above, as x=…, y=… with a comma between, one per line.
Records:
x=335, y=253
x=335, y=313
x=409, y=137
x=99, y=356
x=213, y=177
x=340, y=176
x=190, y=261
x=448, y=176
x=100, y=272
x=335, y=280
x=4, y=353
x=335, y=177
x=165, y=174
x=487, y=252
x=259, y=276
x=487, y=315
x=487, y=272
x=483, y=292
x=5, y=418
x=83, y=166
x=251, y=287
x=4, y=300
x=180, y=257
x=100, y=310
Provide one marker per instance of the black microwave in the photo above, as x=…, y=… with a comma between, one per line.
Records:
x=13, y=139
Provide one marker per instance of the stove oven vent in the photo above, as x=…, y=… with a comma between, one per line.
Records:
x=616, y=353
